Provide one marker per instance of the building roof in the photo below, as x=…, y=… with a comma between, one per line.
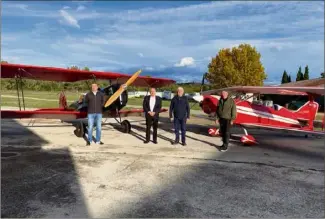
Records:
x=316, y=82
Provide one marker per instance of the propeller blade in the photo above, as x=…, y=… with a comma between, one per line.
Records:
x=121, y=89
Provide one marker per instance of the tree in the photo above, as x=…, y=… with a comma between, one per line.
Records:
x=285, y=78
x=306, y=74
x=300, y=76
x=86, y=69
x=289, y=78
x=322, y=74
x=237, y=66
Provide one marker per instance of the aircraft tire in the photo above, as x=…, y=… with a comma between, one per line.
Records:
x=126, y=126
x=80, y=130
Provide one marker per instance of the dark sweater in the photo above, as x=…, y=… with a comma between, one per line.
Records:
x=179, y=107
x=226, y=109
x=95, y=103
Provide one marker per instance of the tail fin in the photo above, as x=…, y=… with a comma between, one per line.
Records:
x=63, y=100
x=308, y=112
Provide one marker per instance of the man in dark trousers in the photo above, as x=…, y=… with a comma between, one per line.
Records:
x=95, y=102
x=151, y=108
x=226, y=114
x=179, y=106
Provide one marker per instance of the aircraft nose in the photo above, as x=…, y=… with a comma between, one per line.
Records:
x=198, y=98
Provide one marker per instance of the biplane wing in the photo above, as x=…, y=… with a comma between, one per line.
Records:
x=70, y=75
x=270, y=90
x=64, y=114
x=269, y=127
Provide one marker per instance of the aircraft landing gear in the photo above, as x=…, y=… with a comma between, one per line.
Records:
x=80, y=130
x=126, y=126
x=247, y=139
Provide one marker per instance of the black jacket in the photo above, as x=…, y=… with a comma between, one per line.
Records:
x=179, y=107
x=95, y=103
x=156, y=108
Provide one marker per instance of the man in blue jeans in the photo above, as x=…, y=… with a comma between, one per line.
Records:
x=180, y=108
x=95, y=103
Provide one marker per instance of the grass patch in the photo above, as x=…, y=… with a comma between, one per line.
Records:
x=52, y=99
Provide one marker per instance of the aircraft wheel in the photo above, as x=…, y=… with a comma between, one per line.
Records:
x=126, y=126
x=80, y=130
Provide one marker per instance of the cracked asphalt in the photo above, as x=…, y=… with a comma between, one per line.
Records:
x=55, y=175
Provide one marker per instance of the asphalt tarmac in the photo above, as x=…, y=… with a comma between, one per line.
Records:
x=46, y=171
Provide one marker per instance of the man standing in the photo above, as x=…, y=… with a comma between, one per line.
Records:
x=180, y=108
x=151, y=107
x=95, y=102
x=226, y=114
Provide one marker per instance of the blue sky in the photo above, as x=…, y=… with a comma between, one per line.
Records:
x=166, y=39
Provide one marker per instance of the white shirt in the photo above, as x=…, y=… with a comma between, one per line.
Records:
x=152, y=103
x=95, y=93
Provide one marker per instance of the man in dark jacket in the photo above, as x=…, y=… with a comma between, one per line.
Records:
x=95, y=103
x=180, y=108
x=226, y=114
x=151, y=107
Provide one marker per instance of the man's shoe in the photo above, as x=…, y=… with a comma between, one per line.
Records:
x=100, y=143
x=175, y=142
x=155, y=142
x=223, y=148
x=184, y=144
x=88, y=143
x=145, y=142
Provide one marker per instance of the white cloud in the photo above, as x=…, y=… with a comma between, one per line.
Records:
x=66, y=7
x=69, y=19
x=140, y=54
x=148, y=68
x=81, y=8
x=18, y=6
x=186, y=61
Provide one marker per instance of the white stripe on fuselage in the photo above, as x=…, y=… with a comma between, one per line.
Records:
x=257, y=113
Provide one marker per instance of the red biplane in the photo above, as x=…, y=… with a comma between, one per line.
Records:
x=265, y=115
x=116, y=94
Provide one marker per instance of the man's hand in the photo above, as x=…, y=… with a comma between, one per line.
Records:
x=231, y=122
x=171, y=119
x=217, y=121
x=153, y=113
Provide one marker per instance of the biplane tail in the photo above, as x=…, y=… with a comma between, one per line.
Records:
x=307, y=113
x=63, y=101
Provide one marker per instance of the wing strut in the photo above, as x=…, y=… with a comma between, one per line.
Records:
x=19, y=85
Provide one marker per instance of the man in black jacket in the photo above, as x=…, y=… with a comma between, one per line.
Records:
x=95, y=102
x=151, y=108
x=179, y=106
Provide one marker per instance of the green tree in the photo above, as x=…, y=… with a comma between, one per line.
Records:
x=300, y=76
x=322, y=74
x=289, y=78
x=285, y=78
x=306, y=74
x=237, y=66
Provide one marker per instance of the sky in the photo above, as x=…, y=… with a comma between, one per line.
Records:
x=166, y=39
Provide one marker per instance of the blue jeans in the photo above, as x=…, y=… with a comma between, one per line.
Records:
x=180, y=124
x=92, y=117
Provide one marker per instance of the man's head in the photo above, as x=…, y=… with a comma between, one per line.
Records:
x=180, y=91
x=224, y=94
x=94, y=87
x=152, y=92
